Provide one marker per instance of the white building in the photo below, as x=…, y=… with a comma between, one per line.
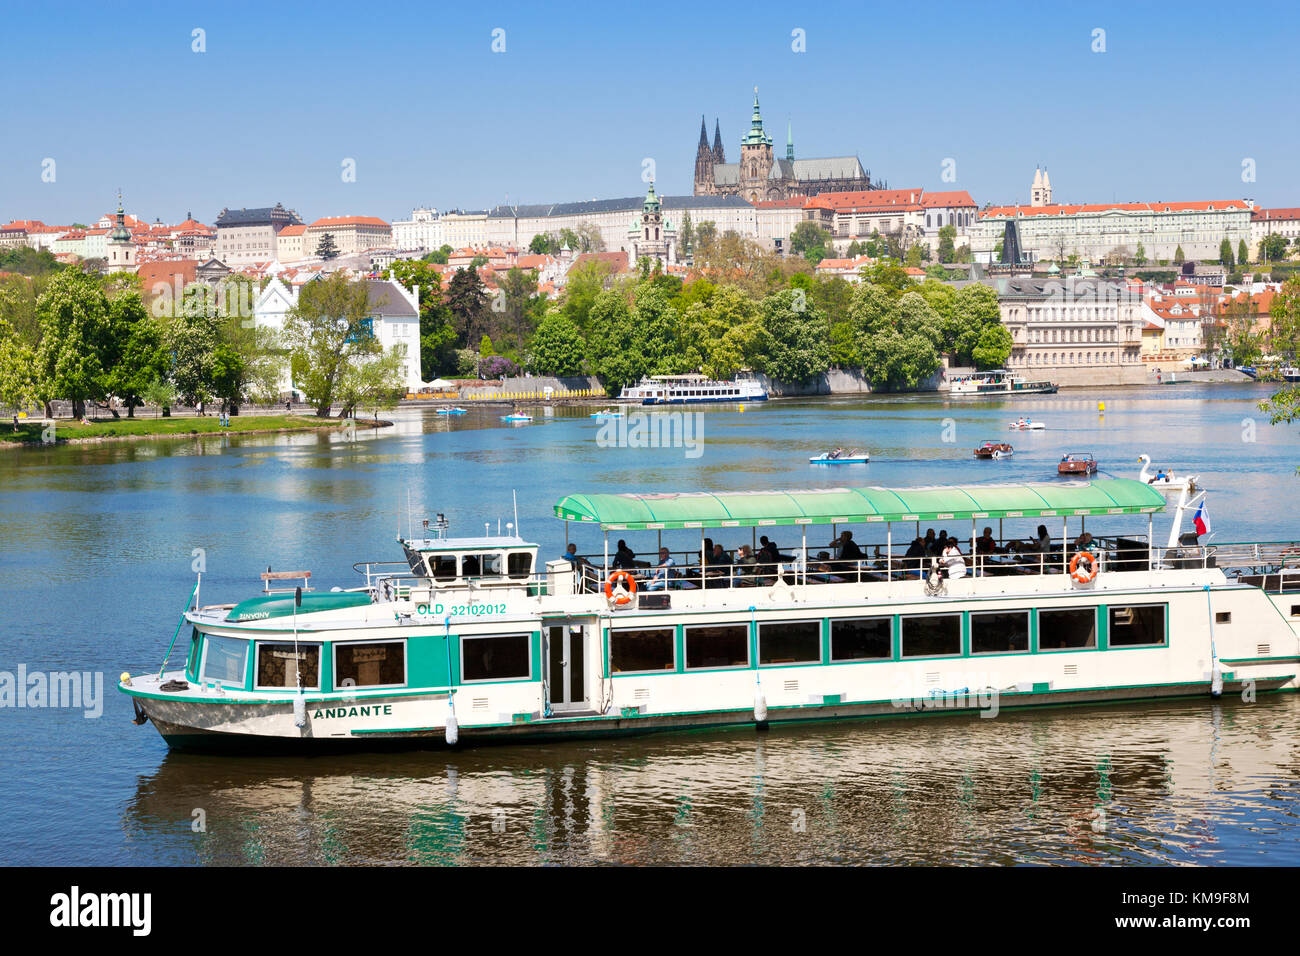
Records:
x=423, y=231
x=463, y=229
x=1267, y=222
x=1093, y=232
x=394, y=321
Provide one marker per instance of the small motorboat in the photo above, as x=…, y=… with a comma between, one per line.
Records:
x=994, y=449
x=1077, y=464
x=607, y=413
x=1163, y=478
x=1249, y=370
x=843, y=458
x=452, y=411
x=1024, y=424
x=517, y=417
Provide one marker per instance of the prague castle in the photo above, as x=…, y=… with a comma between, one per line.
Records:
x=761, y=177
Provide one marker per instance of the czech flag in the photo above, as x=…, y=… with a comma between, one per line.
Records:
x=1202, y=520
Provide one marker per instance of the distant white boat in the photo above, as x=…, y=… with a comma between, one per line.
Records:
x=1025, y=424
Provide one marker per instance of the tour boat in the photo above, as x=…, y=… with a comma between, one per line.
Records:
x=1290, y=374
x=994, y=449
x=1163, y=479
x=469, y=640
x=451, y=411
x=848, y=458
x=517, y=417
x=1025, y=424
x=692, y=389
x=1077, y=464
x=998, y=382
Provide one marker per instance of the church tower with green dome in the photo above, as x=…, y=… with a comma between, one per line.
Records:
x=650, y=235
x=121, y=248
x=755, y=158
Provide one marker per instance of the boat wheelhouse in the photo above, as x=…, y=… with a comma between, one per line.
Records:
x=997, y=383
x=469, y=640
x=691, y=390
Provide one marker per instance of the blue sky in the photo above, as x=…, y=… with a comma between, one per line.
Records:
x=414, y=94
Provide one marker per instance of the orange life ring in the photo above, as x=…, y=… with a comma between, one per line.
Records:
x=626, y=592
x=1089, y=573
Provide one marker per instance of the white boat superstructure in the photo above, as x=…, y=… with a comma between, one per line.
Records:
x=469, y=640
x=692, y=390
x=998, y=382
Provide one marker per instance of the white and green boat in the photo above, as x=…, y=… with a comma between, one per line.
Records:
x=471, y=641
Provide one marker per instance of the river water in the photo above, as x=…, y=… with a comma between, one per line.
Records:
x=98, y=542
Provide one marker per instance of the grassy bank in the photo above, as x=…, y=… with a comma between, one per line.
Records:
x=35, y=432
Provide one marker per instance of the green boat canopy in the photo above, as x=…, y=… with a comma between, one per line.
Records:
x=1108, y=496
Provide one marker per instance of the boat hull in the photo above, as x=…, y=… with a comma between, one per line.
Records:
x=180, y=736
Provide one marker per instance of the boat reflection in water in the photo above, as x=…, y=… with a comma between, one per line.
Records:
x=1189, y=782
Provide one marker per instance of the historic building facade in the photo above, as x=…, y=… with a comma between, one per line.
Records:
x=760, y=177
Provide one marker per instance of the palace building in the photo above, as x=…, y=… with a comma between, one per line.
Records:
x=760, y=177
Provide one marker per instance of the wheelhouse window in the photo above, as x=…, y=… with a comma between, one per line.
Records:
x=520, y=564
x=999, y=632
x=1141, y=625
x=503, y=657
x=931, y=635
x=280, y=665
x=376, y=664
x=861, y=639
x=717, y=645
x=442, y=567
x=640, y=651
x=224, y=659
x=1063, y=629
x=790, y=642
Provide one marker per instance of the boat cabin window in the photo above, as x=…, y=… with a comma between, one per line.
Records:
x=717, y=645
x=790, y=642
x=224, y=659
x=931, y=635
x=1141, y=625
x=861, y=639
x=999, y=632
x=1073, y=628
x=374, y=664
x=519, y=563
x=442, y=567
x=471, y=566
x=279, y=665
x=503, y=657
x=642, y=650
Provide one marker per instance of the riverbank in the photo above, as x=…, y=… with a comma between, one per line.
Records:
x=36, y=432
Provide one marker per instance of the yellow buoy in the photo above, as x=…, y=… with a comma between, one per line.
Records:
x=742, y=406
x=1101, y=406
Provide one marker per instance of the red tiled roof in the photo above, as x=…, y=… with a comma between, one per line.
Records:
x=293, y=230
x=794, y=202
x=1060, y=210
x=349, y=221
x=953, y=198
x=1274, y=215
x=867, y=199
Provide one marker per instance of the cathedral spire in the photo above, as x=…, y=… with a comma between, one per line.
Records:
x=756, y=136
x=704, y=134
x=718, y=155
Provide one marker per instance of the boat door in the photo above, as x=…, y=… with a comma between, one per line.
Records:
x=567, y=663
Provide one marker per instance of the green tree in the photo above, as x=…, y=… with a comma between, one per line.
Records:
x=440, y=255
x=74, y=325
x=686, y=234
x=17, y=361
x=558, y=347
x=139, y=354
x=891, y=358
x=1225, y=253
x=947, y=242
x=994, y=347
x=1141, y=256
x=1243, y=254
x=467, y=299
x=326, y=249
x=794, y=342
x=329, y=334
x=810, y=241
x=1178, y=256
x=1272, y=247
x=437, y=330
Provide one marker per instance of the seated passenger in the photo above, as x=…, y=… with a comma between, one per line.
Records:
x=915, y=557
x=953, y=560
x=1083, y=542
x=746, y=566
x=663, y=571
x=469, y=567
x=848, y=548
x=624, y=557
x=570, y=554
x=985, y=543
x=930, y=549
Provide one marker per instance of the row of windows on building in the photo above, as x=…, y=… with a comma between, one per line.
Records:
x=1073, y=358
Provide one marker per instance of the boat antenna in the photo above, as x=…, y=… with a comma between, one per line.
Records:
x=514, y=496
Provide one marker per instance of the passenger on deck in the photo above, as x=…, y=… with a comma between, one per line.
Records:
x=837, y=453
x=941, y=544
x=986, y=543
x=1083, y=542
x=663, y=571
x=624, y=557
x=848, y=548
x=770, y=547
x=953, y=560
x=915, y=557
x=930, y=549
x=570, y=554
